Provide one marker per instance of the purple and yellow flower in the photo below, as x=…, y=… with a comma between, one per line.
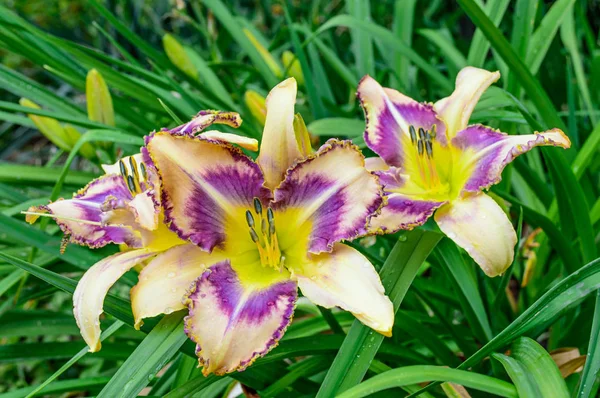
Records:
x=123, y=207
x=431, y=160
x=265, y=228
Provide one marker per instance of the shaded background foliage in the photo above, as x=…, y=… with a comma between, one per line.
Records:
x=452, y=315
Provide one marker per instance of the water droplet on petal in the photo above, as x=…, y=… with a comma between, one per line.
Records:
x=171, y=275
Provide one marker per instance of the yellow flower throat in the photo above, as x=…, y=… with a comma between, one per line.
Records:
x=266, y=240
x=423, y=140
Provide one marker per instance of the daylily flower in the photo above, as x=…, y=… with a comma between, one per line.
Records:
x=266, y=227
x=431, y=159
x=123, y=207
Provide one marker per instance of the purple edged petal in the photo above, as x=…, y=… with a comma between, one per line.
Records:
x=238, y=315
x=331, y=194
x=95, y=216
x=206, y=186
x=485, y=152
x=388, y=115
x=405, y=208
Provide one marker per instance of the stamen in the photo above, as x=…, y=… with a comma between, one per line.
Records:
x=249, y=219
x=271, y=220
x=257, y=206
x=413, y=133
x=134, y=169
x=429, y=149
x=143, y=171
x=420, y=147
x=421, y=134
x=433, y=132
x=123, y=168
x=131, y=184
x=254, y=236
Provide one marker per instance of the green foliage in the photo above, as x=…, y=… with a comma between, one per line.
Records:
x=96, y=76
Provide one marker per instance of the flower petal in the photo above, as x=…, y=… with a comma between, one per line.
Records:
x=331, y=192
x=166, y=279
x=205, y=119
x=247, y=143
x=94, y=216
x=406, y=205
x=456, y=109
x=479, y=225
x=205, y=185
x=485, y=152
x=238, y=314
x=93, y=287
x=279, y=148
x=388, y=115
x=345, y=278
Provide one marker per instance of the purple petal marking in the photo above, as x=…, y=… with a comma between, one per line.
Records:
x=385, y=109
x=401, y=211
x=95, y=203
x=237, y=313
x=306, y=183
x=486, y=152
x=206, y=215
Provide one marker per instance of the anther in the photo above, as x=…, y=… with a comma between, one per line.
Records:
x=421, y=133
x=429, y=149
x=257, y=206
x=433, y=132
x=271, y=220
x=143, y=171
x=131, y=184
x=123, y=169
x=413, y=133
x=249, y=219
x=420, y=146
x=253, y=235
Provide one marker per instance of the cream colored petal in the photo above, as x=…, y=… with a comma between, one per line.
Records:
x=93, y=287
x=166, y=279
x=345, y=278
x=478, y=224
x=279, y=148
x=456, y=109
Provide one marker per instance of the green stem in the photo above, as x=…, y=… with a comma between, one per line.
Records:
x=362, y=343
x=331, y=321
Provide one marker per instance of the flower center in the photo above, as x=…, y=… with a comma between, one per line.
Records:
x=135, y=176
x=423, y=141
x=266, y=238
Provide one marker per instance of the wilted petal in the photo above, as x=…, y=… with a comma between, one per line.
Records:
x=330, y=194
x=93, y=287
x=479, y=225
x=485, y=152
x=166, y=279
x=456, y=109
x=89, y=219
x=238, y=314
x=407, y=206
x=279, y=148
x=205, y=119
x=206, y=186
x=388, y=115
x=345, y=278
